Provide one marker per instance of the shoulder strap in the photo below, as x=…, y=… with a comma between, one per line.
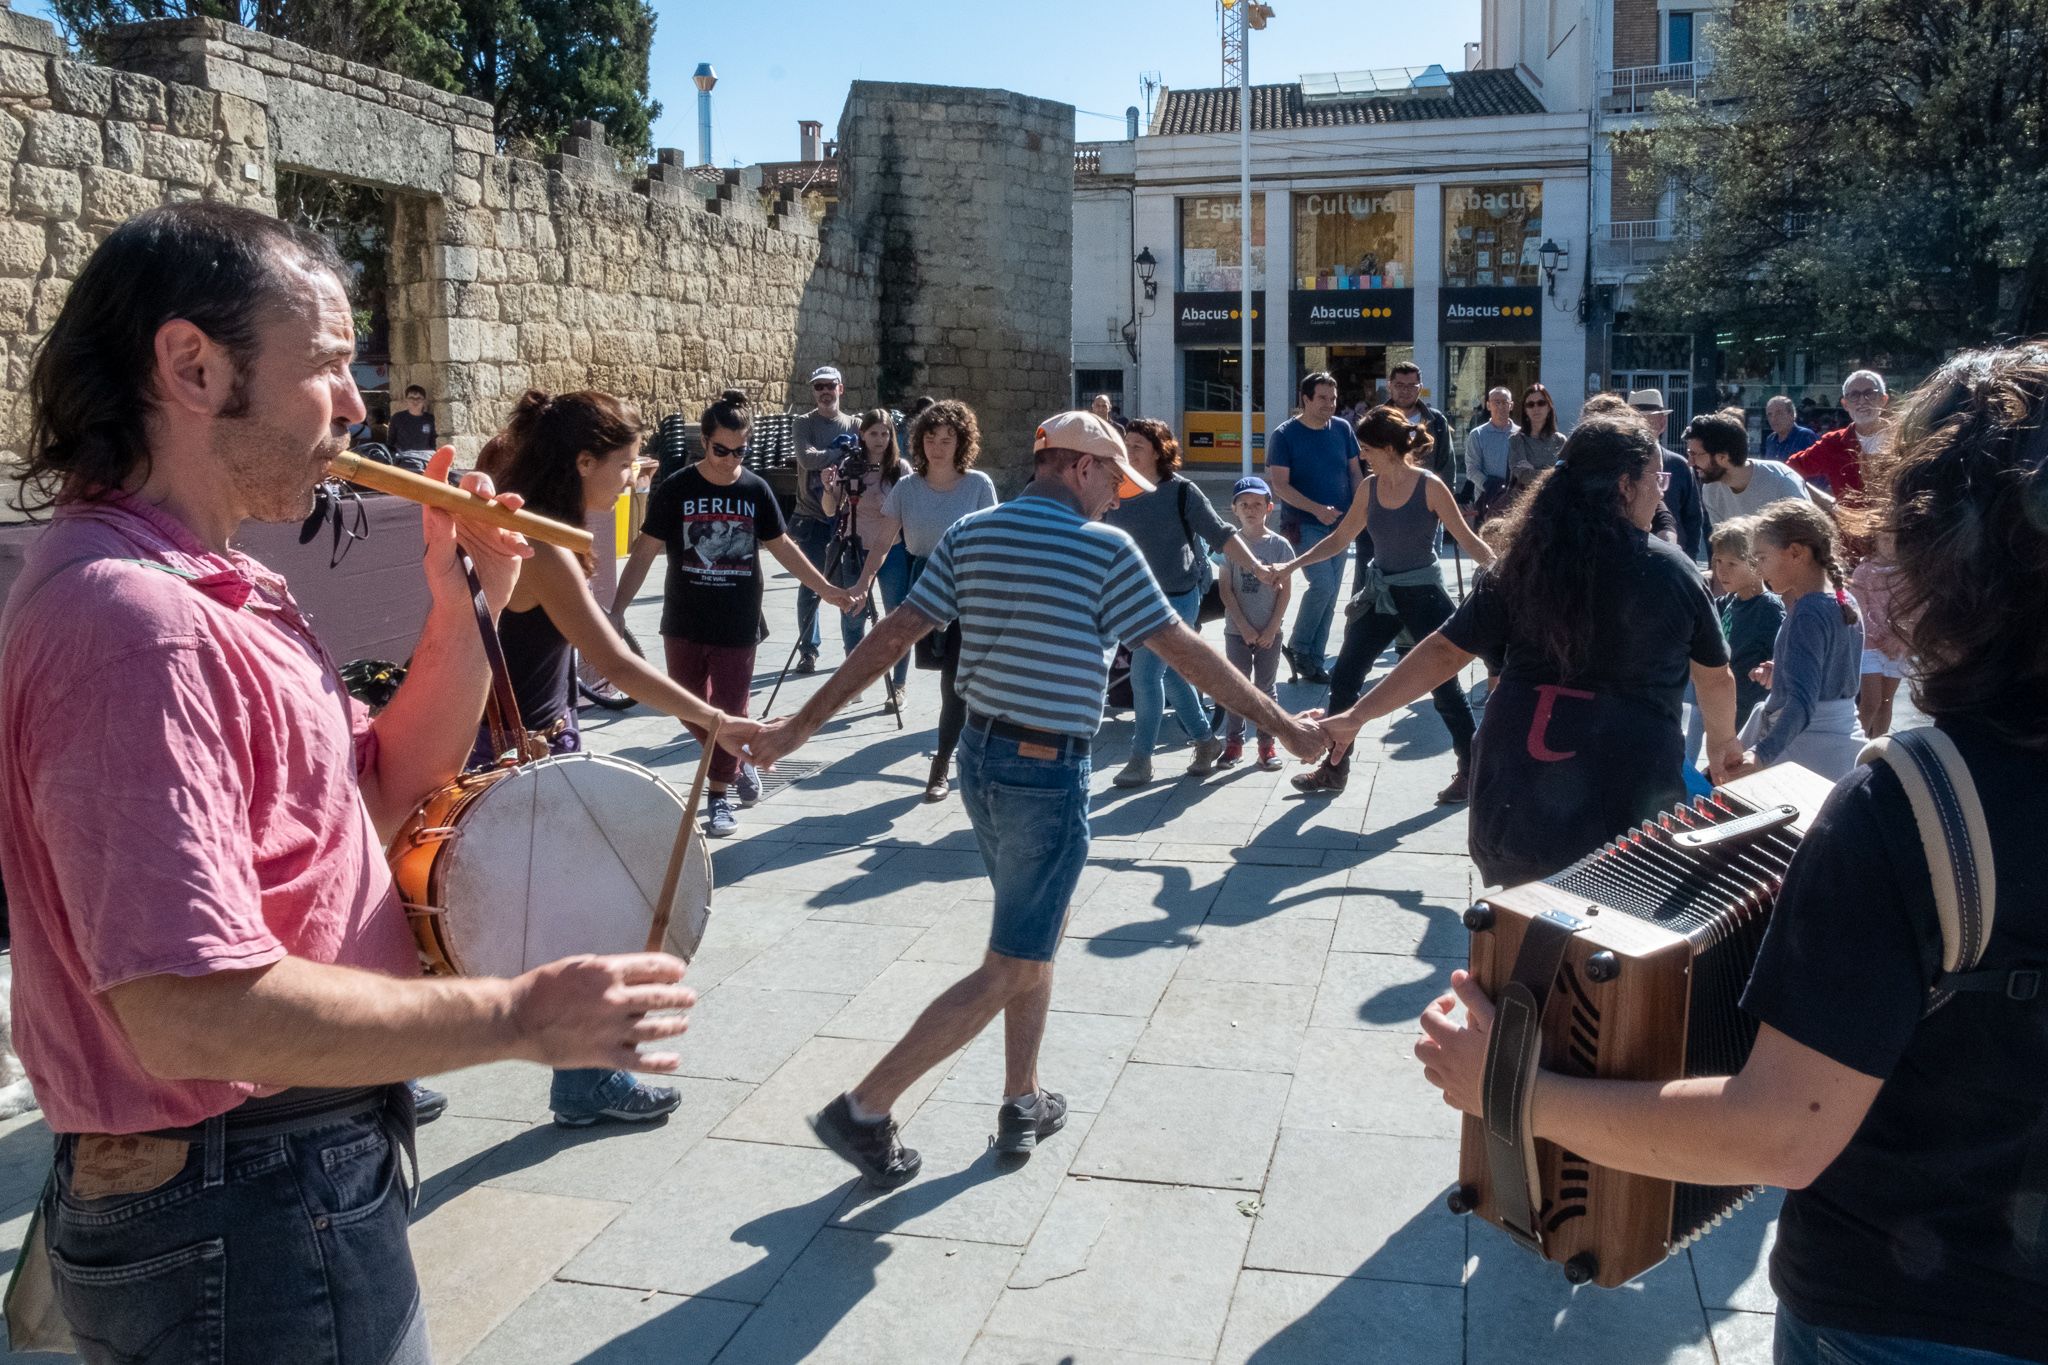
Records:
x=1957, y=843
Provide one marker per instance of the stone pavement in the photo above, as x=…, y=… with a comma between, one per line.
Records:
x=1254, y=1170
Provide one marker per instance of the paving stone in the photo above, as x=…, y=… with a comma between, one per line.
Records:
x=450, y=1147
x=1081, y=1056
x=591, y=1324
x=1306, y=893
x=888, y=1007
x=994, y=1350
x=481, y=1252
x=501, y=1090
x=1120, y=1267
x=26, y=1147
x=967, y=1190
x=1742, y=1338
x=1379, y=990
x=1733, y=1261
x=961, y=938
x=1269, y=855
x=780, y=1108
x=609, y=1160
x=1312, y=1319
x=1113, y=976
x=861, y=1298
x=817, y=869
x=826, y=956
x=1287, y=952
x=1186, y=1125
x=740, y=933
x=1361, y=1205
x=726, y=1222
x=1230, y=1025
x=1518, y=1308
x=741, y=1034
x=1366, y=1081
x=917, y=906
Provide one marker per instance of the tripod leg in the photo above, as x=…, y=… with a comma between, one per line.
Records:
x=803, y=626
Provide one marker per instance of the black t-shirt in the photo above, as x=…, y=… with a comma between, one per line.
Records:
x=1561, y=765
x=408, y=432
x=1921, y=1227
x=714, y=536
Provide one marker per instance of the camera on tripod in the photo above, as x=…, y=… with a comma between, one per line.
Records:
x=854, y=466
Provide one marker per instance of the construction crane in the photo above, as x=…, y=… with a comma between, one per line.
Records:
x=1236, y=19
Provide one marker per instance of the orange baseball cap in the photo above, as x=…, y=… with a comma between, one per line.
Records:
x=1091, y=435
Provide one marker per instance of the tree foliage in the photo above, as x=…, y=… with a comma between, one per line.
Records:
x=540, y=64
x=1875, y=169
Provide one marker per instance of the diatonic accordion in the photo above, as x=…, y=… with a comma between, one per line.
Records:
x=1629, y=964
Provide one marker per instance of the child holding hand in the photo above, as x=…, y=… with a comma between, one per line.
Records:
x=1253, y=610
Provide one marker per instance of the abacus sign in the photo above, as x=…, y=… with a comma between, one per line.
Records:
x=1212, y=316
x=1320, y=316
x=1490, y=314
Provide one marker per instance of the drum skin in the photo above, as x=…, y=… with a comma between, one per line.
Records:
x=509, y=868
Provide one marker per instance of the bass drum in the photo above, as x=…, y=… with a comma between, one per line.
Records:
x=509, y=868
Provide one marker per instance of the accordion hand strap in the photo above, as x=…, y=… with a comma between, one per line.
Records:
x=1512, y=1055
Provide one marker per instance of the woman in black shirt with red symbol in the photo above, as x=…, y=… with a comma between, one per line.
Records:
x=1595, y=626
x=1910, y=1125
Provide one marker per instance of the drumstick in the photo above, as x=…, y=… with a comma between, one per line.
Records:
x=461, y=502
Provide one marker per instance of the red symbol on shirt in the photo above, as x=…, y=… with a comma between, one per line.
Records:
x=1539, y=724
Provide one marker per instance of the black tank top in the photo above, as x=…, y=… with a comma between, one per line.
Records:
x=537, y=657
x=1403, y=537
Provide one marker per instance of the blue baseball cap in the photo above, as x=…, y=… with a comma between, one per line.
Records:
x=1251, y=483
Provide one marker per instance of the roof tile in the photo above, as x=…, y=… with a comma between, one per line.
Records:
x=1275, y=108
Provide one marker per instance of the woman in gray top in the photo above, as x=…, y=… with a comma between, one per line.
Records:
x=942, y=487
x=1176, y=528
x=1535, y=447
x=1402, y=505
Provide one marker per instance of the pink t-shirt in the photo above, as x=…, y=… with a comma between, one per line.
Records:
x=179, y=794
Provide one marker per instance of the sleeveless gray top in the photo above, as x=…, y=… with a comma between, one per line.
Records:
x=1404, y=537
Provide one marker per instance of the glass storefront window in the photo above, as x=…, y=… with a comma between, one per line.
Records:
x=1211, y=380
x=1470, y=372
x=1210, y=243
x=1491, y=235
x=1354, y=239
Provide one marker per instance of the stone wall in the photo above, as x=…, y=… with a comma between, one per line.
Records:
x=950, y=274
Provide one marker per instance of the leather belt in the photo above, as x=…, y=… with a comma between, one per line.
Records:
x=1074, y=745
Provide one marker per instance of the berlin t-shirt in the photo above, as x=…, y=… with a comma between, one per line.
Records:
x=714, y=534
x=1931, y=1223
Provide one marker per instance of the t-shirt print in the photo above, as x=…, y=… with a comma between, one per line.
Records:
x=717, y=535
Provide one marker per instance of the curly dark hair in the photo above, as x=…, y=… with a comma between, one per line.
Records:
x=1964, y=494
x=950, y=412
x=545, y=436
x=1158, y=435
x=1565, y=539
x=221, y=268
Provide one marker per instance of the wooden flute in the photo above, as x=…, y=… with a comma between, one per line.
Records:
x=417, y=488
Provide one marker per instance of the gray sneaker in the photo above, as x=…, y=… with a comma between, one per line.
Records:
x=1136, y=773
x=746, y=785
x=1020, y=1127
x=1207, y=751
x=720, y=822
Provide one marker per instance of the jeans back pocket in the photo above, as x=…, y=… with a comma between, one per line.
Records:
x=168, y=1309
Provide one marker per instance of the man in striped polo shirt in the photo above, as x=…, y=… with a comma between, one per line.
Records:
x=1043, y=592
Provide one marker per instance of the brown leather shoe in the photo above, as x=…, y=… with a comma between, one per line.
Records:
x=1458, y=792
x=1324, y=780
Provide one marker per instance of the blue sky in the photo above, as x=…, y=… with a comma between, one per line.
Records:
x=793, y=60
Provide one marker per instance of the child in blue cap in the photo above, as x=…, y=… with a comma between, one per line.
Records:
x=1253, y=610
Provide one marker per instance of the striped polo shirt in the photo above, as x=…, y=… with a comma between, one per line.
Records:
x=1041, y=595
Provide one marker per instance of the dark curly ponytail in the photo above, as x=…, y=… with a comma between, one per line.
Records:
x=1388, y=428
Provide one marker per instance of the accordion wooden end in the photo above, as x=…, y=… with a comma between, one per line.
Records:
x=1630, y=964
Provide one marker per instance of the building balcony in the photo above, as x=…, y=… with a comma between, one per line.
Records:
x=1628, y=90
x=1632, y=245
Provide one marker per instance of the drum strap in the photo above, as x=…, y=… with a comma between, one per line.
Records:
x=501, y=708
x=684, y=833
x=1512, y=1056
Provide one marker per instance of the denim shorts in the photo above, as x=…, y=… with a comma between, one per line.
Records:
x=1031, y=819
x=293, y=1249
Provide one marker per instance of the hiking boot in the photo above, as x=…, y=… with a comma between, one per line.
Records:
x=1293, y=662
x=1315, y=673
x=1136, y=773
x=427, y=1105
x=872, y=1147
x=1269, y=756
x=746, y=785
x=806, y=663
x=1207, y=751
x=720, y=822
x=1020, y=1127
x=630, y=1102
x=1323, y=781
x=1457, y=793
x=935, y=785
x=1233, y=753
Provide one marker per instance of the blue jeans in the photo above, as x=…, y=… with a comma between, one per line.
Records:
x=1154, y=687
x=814, y=538
x=892, y=580
x=261, y=1250
x=1799, y=1342
x=1310, y=637
x=1030, y=817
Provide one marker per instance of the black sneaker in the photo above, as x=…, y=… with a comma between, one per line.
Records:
x=873, y=1147
x=806, y=663
x=427, y=1105
x=1020, y=1126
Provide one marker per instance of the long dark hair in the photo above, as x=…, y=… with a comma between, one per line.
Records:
x=1550, y=418
x=221, y=268
x=1387, y=428
x=892, y=458
x=545, y=436
x=1964, y=493
x=1564, y=539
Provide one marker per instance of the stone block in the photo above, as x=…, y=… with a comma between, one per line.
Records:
x=113, y=197
x=51, y=291
x=64, y=141
x=23, y=247
x=40, y=192
x=81, y=89
x=121, y=147
x=189, y=111
x=139, y=99
x=242, y=120
x=23, y=75
x=17, y=297
x=12, y=135
x=180, y=160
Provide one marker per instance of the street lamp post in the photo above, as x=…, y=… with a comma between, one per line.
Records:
x=1246, y=15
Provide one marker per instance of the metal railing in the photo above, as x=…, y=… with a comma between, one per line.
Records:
x=1633, y=242
x=1633, y=89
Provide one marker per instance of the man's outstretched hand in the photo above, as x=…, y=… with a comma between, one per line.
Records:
x=777, y=740
x=1304, y=736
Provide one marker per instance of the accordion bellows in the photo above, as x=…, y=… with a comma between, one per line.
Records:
x=1629, y=964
